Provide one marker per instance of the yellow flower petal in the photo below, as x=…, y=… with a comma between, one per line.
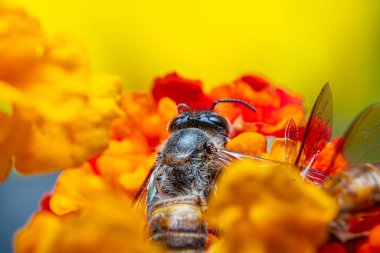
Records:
x=39, y=234
x=60, y=113
x=72, y=187
x=254, y=144
x=262, y=207
x=108, y=224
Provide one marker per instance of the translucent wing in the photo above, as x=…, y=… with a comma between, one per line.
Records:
x=291, y=134
x=318, y=129
x=142, y=194
x=313, y=176
x=261, y=162
x=232, y=155
x=361, y=142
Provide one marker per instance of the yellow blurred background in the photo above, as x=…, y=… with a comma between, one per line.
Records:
x=297, y=44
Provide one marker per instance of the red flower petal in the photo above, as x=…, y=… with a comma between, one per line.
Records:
x=93, y=165
x=365, y=220
x=257, y=83
x=181, y=90
x=287, y=98
x=45, y=202
x=332, y=247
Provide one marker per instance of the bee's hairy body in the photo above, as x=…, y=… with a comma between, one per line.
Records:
x=186, y=167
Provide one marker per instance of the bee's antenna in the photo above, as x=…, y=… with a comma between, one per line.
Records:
x=232, y=100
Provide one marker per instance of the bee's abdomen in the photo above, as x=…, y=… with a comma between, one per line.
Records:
x=178, y=223
x=355, y=188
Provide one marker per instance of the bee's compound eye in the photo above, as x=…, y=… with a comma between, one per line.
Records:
x=219, y=121
x=215, y=120
x=178, y=122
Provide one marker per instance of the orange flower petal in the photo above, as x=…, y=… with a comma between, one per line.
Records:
x=253, y=144
x=374, y=239
x=72, y=188
x=274, y=106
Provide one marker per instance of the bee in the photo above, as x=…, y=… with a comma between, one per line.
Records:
x=184, y=173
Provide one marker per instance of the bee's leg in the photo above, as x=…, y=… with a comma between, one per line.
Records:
x=340, y=229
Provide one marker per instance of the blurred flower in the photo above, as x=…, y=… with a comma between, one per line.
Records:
x=117, y=173
x=367, y=221
x=266, y=208
x=107, y=224
x=333, y=247
x=58, y=113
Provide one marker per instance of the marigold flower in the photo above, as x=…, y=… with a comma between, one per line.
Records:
x=60, y=113
x=274, y=105
x=262, y=208
x=135, y=137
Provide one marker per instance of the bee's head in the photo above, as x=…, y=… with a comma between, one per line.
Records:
x=206, y=120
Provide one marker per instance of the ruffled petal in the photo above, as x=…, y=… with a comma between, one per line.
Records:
x=255, y=210
x=181, y=90
x=274, y=106
x=59, y=114
x=253, y=144
x=109, y=224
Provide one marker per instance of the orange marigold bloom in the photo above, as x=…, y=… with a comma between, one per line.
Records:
x=58, y=113
x=135, y=136
x=274, y=106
